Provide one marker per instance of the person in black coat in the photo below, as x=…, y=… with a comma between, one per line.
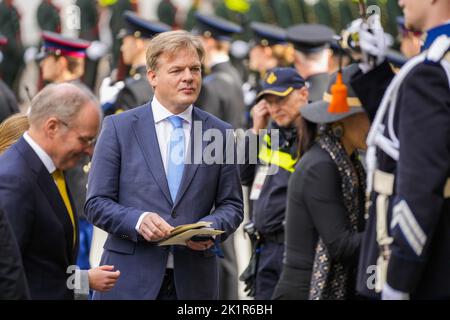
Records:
x=324, y=215
x=13, y=284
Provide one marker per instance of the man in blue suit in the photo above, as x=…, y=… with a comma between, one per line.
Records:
x=138, y=188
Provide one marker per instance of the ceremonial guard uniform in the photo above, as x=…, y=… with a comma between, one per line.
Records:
x=137, y=89
x=408, y=234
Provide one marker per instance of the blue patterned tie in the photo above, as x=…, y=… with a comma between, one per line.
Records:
x=175, y=156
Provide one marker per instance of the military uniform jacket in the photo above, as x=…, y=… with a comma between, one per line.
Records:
x=222, y=95
x=420, y=251
x=137, y=91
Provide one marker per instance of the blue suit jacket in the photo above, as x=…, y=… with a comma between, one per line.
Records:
x=127, y=178
x=39, y=220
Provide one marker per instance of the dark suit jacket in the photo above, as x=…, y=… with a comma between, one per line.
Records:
x=40, y=221
x=128, y=178
x=13, y=284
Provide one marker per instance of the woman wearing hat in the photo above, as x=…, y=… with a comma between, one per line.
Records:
x=325, y=208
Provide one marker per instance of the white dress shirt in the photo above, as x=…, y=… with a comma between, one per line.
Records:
x=163, y=129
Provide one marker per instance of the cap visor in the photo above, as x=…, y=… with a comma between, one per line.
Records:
x=280, y=92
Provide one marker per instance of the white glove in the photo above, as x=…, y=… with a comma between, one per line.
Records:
x=96, y=50
x=373, y=43
x=30, y=54
x=108, y=93
x=391, y=294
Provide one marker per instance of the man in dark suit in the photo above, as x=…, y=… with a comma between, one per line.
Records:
x=64, y=121
x=13, y=284
x=144, y=181
x=405, y=252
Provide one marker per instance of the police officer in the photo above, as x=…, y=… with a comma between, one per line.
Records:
x=62, y=60
x=136, y=90
x=408, y=235
x=312, y=54
x=283, y=92
x=221, y=93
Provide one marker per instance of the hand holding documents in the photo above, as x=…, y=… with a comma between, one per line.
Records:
x=183, y=233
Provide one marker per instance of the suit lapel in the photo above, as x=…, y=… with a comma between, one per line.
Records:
x=50, y=190
x=190, y=169
x=144, y=129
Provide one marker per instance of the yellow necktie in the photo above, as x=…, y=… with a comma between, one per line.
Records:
x=58, y=176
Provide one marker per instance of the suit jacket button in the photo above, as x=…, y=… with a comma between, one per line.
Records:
x=174, y=214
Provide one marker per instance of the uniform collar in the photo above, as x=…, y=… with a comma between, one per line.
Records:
x=434, y=33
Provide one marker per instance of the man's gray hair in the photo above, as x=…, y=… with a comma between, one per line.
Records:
x=170, y=42
x=62, y=101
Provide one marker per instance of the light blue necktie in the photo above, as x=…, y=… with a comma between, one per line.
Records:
x=175, y=156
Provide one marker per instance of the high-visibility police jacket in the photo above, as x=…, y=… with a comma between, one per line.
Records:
x=268, y=210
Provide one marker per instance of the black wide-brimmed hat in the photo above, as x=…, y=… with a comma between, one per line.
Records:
x=318, y=111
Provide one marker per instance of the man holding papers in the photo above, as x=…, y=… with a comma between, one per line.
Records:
x=139, y=190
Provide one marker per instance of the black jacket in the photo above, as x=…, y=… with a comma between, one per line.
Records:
x=315, y=208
